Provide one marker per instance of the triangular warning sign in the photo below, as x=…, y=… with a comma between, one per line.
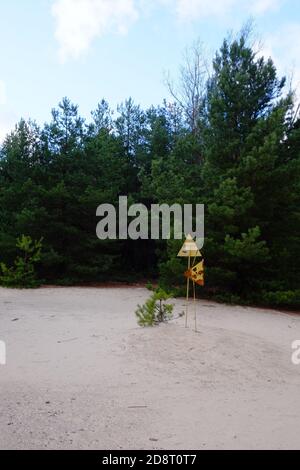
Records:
x=189, y=248
x=196, y=274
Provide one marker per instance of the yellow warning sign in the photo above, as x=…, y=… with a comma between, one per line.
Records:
x=189, y=248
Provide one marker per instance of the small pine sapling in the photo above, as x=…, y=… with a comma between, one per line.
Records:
x=155, y=310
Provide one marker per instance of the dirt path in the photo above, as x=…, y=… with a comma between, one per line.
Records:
x=81, y=374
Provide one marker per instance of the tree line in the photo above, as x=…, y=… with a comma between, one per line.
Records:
x=230, y=139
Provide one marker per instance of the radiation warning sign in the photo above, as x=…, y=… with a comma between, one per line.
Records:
x=189, y=249
x=196, y=274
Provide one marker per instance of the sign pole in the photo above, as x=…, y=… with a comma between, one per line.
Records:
x=187, y=294
x=188, y=249
x=195, y=306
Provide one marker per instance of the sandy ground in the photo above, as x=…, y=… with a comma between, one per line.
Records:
x=81, y=374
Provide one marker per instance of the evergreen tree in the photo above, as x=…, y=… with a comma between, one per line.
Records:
x=232, y=144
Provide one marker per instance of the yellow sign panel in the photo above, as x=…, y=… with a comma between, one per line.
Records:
x=196, y=274
x=189, y=248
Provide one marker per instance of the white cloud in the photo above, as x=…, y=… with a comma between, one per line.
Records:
x=5, y=129
x=195, y=9
x=262, y=6
x=283, y=47
x=7, y=117
x=3, y=96
x=78, y=22
x=7, y=123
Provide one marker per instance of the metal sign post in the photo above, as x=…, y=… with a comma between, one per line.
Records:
x=189, y=249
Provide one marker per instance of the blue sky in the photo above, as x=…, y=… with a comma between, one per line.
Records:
x=90, y=49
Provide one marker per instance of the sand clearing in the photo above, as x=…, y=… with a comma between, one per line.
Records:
x=81, y=374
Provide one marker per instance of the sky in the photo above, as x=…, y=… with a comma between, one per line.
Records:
x=113, y=49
